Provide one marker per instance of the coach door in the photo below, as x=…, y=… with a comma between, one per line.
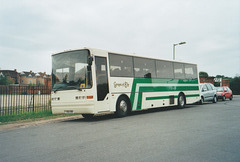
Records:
x=102, y=83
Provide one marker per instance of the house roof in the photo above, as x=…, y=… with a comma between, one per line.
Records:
x=11, y=73
x=28, y=74
x=15, y=74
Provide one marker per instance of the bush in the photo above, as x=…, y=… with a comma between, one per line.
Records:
x=235, y=85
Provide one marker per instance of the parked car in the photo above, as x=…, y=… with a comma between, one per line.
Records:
x=208, y=93
x=224, y=92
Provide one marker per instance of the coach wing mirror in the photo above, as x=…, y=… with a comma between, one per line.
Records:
x=88, y=68
x=90, y=60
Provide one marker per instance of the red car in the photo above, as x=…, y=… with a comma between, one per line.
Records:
x=223, y=93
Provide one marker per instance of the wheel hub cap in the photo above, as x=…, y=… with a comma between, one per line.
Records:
x=181, y=100
x=123, y=106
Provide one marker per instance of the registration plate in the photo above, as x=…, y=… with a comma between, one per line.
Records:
x=68, y=112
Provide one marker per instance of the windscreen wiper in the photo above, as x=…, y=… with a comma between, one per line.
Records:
x=56, y=89
x=73, y=87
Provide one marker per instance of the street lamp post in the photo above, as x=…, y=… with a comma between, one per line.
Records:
x=181, y=43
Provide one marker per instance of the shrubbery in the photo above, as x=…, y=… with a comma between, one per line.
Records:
x=235, y=85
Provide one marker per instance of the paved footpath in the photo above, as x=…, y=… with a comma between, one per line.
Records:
x=24, y=124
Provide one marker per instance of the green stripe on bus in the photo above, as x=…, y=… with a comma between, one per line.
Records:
x=168, y=88
x=167, y=97
x=158, y=97
x=180, y=86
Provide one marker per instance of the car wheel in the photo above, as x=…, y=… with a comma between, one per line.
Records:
x=231, y=97
x=201, y=101
x=223, y=98
x=214, y=99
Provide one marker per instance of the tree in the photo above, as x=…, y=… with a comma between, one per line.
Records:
x=220, y=76
x=6, y=80
x=3, y=80
x=235, y=85
x=10, y=80
x=203, y=74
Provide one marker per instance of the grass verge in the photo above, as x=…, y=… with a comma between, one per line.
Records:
x=29, y=116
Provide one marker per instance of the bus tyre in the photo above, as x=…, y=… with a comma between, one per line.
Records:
x=87, y=116
x=122, y=107
x=181, y=101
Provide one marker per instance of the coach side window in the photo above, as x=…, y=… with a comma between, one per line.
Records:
x=120, y=65
x=144, y=68
x=164, y=69
x=179, y=71
x=190, y=71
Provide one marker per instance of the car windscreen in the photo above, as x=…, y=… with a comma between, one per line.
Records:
x=220, y=89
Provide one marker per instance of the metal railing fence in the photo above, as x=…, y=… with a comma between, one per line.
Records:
x=20, y=99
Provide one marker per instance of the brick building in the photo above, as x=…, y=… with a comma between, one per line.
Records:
x=27, y=78
x=225, y=82
x=207, y=80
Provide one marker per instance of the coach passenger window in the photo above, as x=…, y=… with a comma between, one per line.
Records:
x=190, y=71
x=178, y=71
x=120, y=65
x=144, y=68
x=164, y=69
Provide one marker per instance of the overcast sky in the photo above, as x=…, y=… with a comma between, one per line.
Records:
x=31, y=31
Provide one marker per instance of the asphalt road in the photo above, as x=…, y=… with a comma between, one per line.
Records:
x=208, y=132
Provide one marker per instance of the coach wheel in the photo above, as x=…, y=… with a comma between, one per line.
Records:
x=122, y=107
x=181, y=101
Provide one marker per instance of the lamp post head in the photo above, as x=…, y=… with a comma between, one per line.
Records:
x=182, y=43
x=174, y=48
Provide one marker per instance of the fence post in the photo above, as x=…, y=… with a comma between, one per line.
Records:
x=0, y=100
x=33, y=98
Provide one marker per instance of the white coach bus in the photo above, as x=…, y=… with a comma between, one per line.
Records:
x=91, y=81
